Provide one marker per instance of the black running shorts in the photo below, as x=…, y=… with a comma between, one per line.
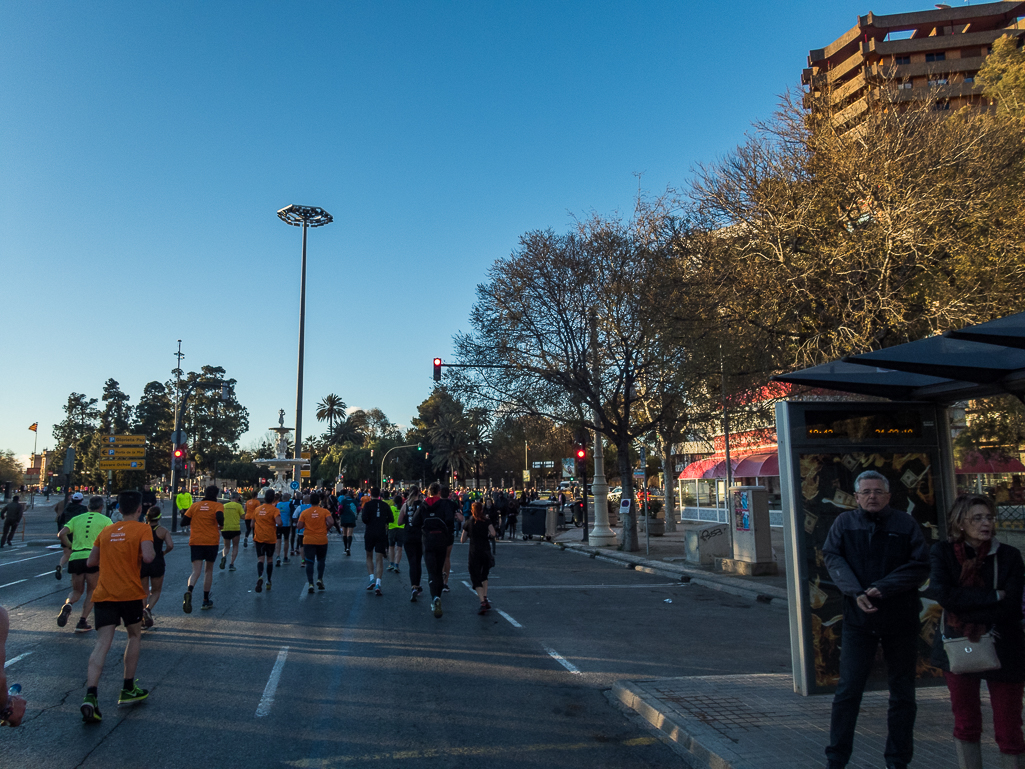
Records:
x=230, y=535
x=207, y=553
x=265, y=549
x=115, y=612
x=283, y=530
x=154, y=569
x=78, y=566
x=378, y=544
x=396, y=537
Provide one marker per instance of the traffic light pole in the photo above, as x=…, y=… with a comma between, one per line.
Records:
x=389, y=451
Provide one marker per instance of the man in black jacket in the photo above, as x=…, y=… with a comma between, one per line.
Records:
x=435, y=518
x=376, y=515
x=878, y=558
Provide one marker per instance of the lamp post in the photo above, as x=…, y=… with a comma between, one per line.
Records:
x=305, y=217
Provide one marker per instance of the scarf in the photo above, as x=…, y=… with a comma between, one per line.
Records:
x=971, y=576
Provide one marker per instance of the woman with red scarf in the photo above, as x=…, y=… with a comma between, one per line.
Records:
x=961, y=581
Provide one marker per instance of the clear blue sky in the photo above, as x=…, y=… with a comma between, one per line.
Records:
x=145, y=147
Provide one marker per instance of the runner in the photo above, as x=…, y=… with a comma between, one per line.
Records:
x=153, y=573
x=11, y=516
x=396, y=534
x=480, y=531
x=376, y=515
x=293, y=505
x=119, y=552
x=297, y=527
x=266, y=524
x=414, y=545
x=347, y=518
x=69, y=511
x=434, y=519
x=78, y=536
x=232, y=529
x=314, y=521
x=455, y=517
x=284, y=526
x=205, y=519
x=251, y=504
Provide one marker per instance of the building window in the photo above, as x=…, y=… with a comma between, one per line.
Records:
x=937, y=81
x=936, y=57
x=905, y=86
x=941, y=105
x=969, y=78
x=901, y=60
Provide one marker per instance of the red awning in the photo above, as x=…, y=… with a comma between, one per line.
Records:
x=757, y=466
x=697, y=469
x=976, y=464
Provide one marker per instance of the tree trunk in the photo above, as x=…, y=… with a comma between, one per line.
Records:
x=669, y=510
x=631, y=544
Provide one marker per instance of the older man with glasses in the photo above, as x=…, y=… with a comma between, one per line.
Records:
x=878, y=558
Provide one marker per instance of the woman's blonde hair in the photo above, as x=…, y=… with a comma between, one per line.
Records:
x=959, y=514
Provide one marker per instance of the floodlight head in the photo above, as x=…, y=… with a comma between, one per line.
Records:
x=311, y=216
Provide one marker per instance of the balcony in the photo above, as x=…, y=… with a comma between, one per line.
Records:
x=925, y=69
x=936, y=43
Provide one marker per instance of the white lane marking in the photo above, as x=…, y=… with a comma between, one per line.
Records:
x=561, y=660
x=592, y=587
x=15, y=659
x=44, y=574
x=304, y=592
x=267, y=700
x=469, y=587
x=512, y=622
x=44, y=555
x=14, y=583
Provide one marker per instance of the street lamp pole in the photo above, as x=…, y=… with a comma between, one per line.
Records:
x=305, y=217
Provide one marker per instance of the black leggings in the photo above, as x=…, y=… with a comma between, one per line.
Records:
x=434, y=559
x=10, y=527
x=414, y=548
x=479, y=567
x=320, y=553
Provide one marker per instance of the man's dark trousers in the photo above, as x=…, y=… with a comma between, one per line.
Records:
x=858, y=651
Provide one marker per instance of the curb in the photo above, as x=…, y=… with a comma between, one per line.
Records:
x=765, y=594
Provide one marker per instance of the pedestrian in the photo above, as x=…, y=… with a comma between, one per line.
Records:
x=878, y=558
x=434, y=517
x=12, y=706
x=480, y=531
x=454, y=518
x=396, y=534
x=232, y=529
x=266, y=529
x=251, y=504
x=119, y=551
x=413, y=542
x=376, y=515
x=297, y=527
x=492, y=514
x=11, y=516
x=979, y=583
x=153, y=573
x=284, y=527
x=69, y=511
x=347, y=518
x=78, y=536
x=206, y=518
x=314, y=522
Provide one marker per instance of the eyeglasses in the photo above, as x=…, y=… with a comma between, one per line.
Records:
x=872, y=493
x=980, y=518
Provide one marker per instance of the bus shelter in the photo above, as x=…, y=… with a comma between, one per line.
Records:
x=905, y=435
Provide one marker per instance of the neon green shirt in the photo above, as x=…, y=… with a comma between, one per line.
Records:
x=233, y=513
x=84, y=529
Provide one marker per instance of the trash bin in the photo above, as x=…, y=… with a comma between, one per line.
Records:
x=552, y=522
x=532, y=520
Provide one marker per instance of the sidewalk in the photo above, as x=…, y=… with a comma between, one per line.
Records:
x=758, y=722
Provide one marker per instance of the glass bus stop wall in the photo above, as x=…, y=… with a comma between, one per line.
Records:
x=823, y=447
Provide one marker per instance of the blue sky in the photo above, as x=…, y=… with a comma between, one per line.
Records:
x=144, y=150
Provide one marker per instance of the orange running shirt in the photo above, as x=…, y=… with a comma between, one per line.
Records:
x=251, y=506
x=315, y=520
x=120, y=546
x=265, y=522
x=204, y=529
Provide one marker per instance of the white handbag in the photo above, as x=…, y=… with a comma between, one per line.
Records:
x=967, y=656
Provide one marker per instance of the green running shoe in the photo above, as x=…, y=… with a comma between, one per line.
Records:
x=135, y=694
x=91, y=710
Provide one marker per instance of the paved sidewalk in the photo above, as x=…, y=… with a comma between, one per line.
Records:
x=758, y=722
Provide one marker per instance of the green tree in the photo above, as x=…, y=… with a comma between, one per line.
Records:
x=214, y=425
x=154, y=418
x=11, y=470
x=1002, y=76
x=117, y=414
x=77, y=431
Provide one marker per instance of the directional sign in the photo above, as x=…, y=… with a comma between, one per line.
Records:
x=294, y=485
x=305, y=455
x=304, y=473
x=123, y=452
x=125, y=440
x=122, y=464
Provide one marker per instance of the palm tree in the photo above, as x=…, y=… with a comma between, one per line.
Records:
x=331, y=409
x=451, y=445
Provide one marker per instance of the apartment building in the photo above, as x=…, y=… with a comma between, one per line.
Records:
x=904, y=58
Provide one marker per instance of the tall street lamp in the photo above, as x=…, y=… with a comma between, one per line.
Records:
x=305, y=217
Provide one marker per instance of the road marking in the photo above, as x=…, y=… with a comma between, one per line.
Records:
x=44, y=555
x=44, y=574
x=15, y=582
x=469, y=587
x=267, y=700
x=592, y=587
x=512, y=622
x=561, y=660
x=305, y=592
x=15, y=659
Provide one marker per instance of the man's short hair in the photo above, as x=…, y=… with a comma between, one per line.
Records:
x=871, y=475
x=129, y=502
x=95, y=503
x=375, y=492
x=434, y=489
x=210, y=492
x=445, y=491
x=268, y=497
x=314, y=499
x=15, y=498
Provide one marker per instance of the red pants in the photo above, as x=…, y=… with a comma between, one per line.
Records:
x=1006, y=700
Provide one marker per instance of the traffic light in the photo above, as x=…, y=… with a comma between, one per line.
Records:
x=437, y=369
x=581, y=453
x=419, y=447
x=178, y=457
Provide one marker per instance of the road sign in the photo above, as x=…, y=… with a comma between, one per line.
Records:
x=304, y=473
x=125, y=440
x=122, y=464
x=178, y=437
x=304, y=455
x=294, y=485
x=123, y=452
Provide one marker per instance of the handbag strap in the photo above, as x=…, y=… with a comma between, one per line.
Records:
x=996, y=571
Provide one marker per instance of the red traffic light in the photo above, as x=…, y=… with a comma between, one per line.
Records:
x=179, y=453
x=581, y=453
x=437, y=369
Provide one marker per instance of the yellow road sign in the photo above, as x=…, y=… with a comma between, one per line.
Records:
x=122, y=464
x=305, y=455
x=123, y=452
x=304, y=473
x=124, y=440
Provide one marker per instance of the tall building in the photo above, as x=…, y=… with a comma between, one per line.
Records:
x=917, y=57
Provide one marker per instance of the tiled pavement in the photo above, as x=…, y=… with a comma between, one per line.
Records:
x=758, y=722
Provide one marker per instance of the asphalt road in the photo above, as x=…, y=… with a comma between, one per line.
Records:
x=376, y=681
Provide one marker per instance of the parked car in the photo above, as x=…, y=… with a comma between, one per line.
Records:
x=616, y=493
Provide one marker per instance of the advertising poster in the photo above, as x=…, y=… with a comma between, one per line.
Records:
x=742, y=510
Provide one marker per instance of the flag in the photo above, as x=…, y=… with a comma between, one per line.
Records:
x=34, y=426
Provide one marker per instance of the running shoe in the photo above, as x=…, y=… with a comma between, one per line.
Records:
x=147, y=618
x=483, y=608
x=391, y=567
x=62, y=616
x=91, y=710
x=259, y=585
x=135, y=694
x=58, y=571
x=245, y=542
x=412, y=597
x=268, y=584
x=377, y=590
x=310, y=589
x=436, y=607
x=347, y=552
x=320, y=585
x=223, y=561
x=286, y=560
x=231, y=567
x=207, y=604
x=445, y=589
x=370, y=586
x=187, y=602
x=83, y=625
x=396, y=569
x=487, y=603
x=277, y=562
